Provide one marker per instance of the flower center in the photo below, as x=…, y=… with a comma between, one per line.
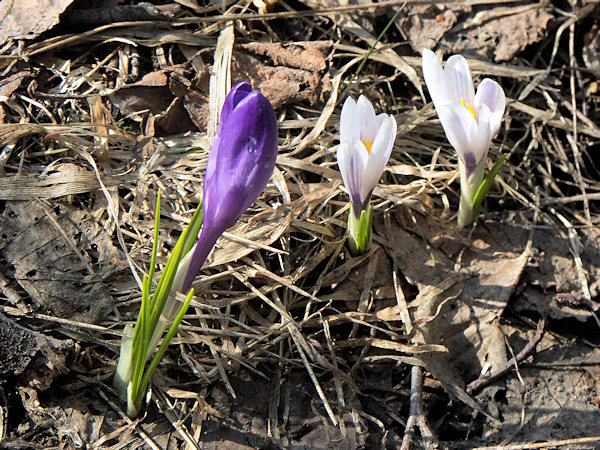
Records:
x=368, y=146
x=469, y=107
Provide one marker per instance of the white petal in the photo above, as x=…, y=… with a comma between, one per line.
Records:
x=349, y=121
x=460, y=128
x=458, y=79
x=485, y=132
x=379, y=156
x=366, y=114
x=435, y=79
x=352, y=160
x=490, y=94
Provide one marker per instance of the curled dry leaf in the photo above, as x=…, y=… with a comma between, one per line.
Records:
x=552, y=279
x=284, y=73
x=9, y=84
x=424, y=26
x=152, y=96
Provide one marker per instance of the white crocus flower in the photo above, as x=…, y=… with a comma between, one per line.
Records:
x=366, y=142
x=470, y=119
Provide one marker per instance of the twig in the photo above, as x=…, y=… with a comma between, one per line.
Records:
x=546, y=444
x=12, y=295
x=523, y=354
x=416, y=417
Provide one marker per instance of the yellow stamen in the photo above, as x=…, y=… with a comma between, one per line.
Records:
x=469, y=107
x=368, y=146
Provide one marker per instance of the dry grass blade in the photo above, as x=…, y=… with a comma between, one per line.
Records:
x=220, y=78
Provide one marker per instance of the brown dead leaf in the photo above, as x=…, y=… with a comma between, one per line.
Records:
x=152, y=96
x=284, y=73
x=18, y=21
x=9, y=85
x=457, y=310
x=61, y=256
x=424, y=26
x=552, y=279
x=499, y=33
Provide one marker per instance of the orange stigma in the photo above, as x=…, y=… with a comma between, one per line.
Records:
x=368, y=146
x=469, y=107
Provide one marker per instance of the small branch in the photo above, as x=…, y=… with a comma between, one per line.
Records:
x=527, y=351
x=416, y=418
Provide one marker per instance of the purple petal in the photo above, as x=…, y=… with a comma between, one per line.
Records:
x=470, y=162
x=207, y=240
x=236, y=94
x=240, y=163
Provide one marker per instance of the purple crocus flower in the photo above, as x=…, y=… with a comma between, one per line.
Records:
x=240, y=163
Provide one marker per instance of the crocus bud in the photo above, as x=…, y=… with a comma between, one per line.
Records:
x=469, y=119
x=366, y=142
x=240, y=163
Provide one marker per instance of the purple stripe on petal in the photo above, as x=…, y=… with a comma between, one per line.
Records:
x=470, y=161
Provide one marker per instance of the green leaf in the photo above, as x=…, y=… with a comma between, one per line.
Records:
x=359, y=236
x=487, y=184
x=194, y=227
x=137, y=396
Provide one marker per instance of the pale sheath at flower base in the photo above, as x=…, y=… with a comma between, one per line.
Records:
x=469, y=119
x=366, y=142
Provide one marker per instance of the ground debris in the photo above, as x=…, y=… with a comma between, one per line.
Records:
x=424, y=26
x=39, y=358
x=498, y=33
x=19, y=23
x=60, y=256
x=458, y=310
x=290, y=341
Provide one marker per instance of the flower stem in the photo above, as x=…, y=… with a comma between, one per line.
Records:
x=468, y=189
x=360, y=231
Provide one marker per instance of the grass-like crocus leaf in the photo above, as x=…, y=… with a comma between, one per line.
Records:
x=485, y=186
